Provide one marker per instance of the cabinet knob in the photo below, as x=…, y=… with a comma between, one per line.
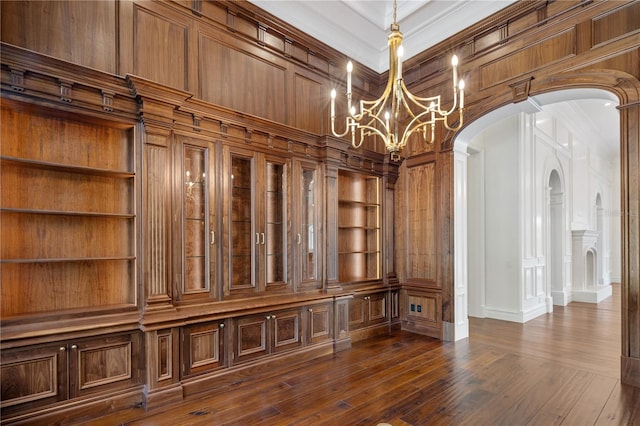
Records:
x=221, y=325
x=273, y=316
x=62, y=349
x=74, y=347
x=268, y=317
x=310, y=310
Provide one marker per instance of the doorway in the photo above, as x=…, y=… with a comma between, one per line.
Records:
x=555, y=144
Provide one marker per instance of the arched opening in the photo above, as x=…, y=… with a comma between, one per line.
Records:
x=529, y=176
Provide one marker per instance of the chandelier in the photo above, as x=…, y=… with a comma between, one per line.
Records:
x=397, y=114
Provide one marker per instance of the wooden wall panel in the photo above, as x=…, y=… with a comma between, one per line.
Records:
x=622, y=21
x=241, y=81
x=160, y=48
x=84, y=33
x=526, y=60
x=421, y=220
x=310, y=104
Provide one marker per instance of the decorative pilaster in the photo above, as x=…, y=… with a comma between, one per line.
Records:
x=157, y=104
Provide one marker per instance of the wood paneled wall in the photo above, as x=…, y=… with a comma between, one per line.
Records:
x=234, y=55
x=226, y=53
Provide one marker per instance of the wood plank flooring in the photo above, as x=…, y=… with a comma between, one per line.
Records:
x=559, y=369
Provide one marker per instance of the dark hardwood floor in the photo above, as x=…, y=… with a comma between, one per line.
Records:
x=558, y=369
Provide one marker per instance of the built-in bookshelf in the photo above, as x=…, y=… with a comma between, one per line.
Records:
x=67, y=214
x=359, y=227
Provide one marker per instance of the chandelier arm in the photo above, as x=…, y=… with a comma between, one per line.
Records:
x=413, y=126
x=454, y=128
x=375, y=132
x=372, y=105
x=333, y=130
x=453, y=107
x=418, y=99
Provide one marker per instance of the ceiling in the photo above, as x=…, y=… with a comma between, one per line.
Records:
x=359, y=29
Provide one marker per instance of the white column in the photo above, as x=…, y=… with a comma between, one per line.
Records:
x=461, y=326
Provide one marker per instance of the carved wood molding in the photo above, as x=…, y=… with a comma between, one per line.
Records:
x=32, y=77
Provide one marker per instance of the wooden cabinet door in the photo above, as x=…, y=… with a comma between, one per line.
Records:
x=377, y=307
x=104, y=363
x=320, y=323
x=202, y=348
x=33, y=377
x=259, y=335
x=251, y=337
x=286, y=328
x=368, y=309
x=358, y=312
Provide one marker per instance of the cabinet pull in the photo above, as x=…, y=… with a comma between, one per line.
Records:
x=62, y=349
x=213, y=237
x=268, y=317
x=220, y=325
x=262, y=238
x=310, y=310
x=273, y=317
x=257, y=238
x=74, y=347
x=299, y=238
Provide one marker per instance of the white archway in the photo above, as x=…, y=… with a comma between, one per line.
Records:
x=546, y=271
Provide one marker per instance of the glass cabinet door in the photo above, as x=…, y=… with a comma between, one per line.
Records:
x=255, y=223
x=307, y=238
x=243, y=243
x=196, y=224
x=272, y=236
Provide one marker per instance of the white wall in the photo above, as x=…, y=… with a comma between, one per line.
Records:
x=497, y=204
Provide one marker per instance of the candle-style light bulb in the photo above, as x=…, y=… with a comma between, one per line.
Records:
x=349, y=69
x=333, y=103
x=400, y=54
x=454, y=64
x=461, y=87
x=386, y=119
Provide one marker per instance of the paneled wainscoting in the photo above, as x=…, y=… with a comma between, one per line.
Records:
x=561, y=368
